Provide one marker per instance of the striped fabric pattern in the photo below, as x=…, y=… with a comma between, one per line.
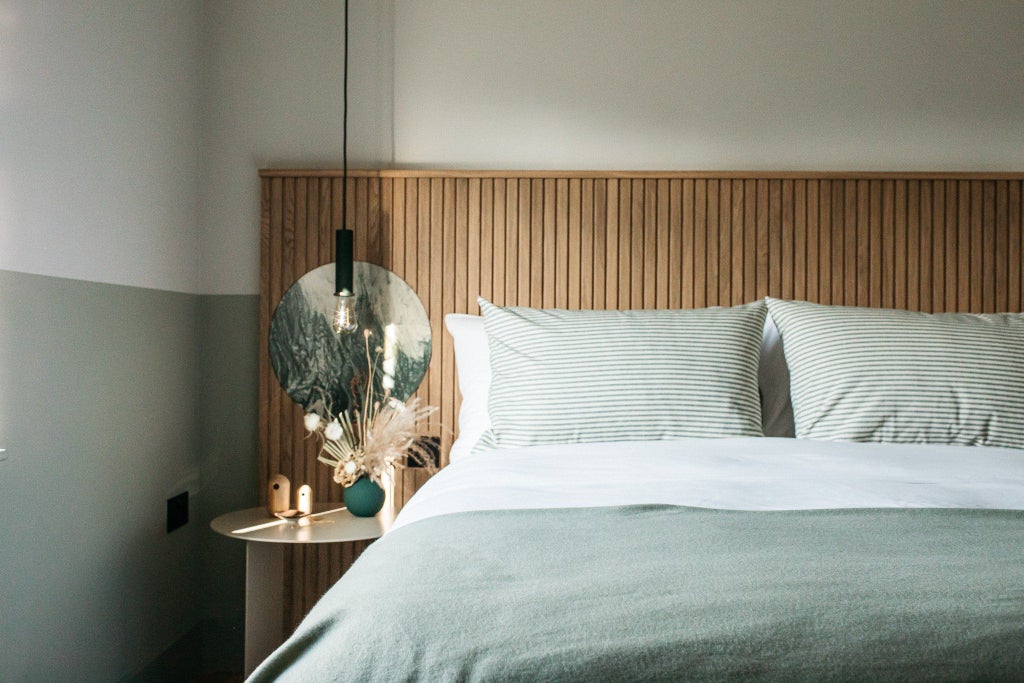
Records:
x=563, y=376
x=863, y=374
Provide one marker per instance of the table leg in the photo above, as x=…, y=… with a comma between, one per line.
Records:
x=264, y=577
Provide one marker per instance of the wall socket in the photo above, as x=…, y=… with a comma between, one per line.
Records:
x=177, y=511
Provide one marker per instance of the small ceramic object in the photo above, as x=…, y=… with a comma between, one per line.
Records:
x=279, y=493
x=304, y=499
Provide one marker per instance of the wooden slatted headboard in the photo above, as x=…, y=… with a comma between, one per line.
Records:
x=930, y=242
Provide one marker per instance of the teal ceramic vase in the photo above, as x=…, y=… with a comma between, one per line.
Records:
x=364, y=498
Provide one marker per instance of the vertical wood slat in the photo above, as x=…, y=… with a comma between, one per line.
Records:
x=1001, y=229
x=626, y=229
x=574, y=244
x=811, y=193
x=989, y=247
x=688, y=241
x=397, y=231
x=949, y=262
x=588, y=242
x=556, y=258
x=600, y=244
x=750, y=245
x=874, y=202
x=736, y=268
x=511, y=224
x=888, y=248
x=788, y=229
x=933, y=247
x=775, y=259
x=610, y=265
x=664, y=242
x=1015, y=283
x=266, y=380
x=824, y=242
x=498, y=241
x=525, y=252
x=593, y=241
x=700, y=234
x=535, y=238
x=711, y=244
x=650, y=243
x=938, y=230
x=862, y=268
x=443, y=395
x=485, y=247
x=762, y=209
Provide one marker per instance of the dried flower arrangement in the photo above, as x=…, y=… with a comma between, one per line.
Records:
x=376, y=436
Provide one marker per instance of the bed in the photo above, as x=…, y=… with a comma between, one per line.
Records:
x=618, y=512
x=698, y=569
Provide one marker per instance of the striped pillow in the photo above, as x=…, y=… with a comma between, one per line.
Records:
x=575, y=376
x=863, y=374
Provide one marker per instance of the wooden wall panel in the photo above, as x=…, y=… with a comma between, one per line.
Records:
x=928, y=242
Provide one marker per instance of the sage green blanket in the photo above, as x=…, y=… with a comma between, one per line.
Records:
x=651, y=593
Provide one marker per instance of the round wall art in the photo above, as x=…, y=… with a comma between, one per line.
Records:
x=318, y=368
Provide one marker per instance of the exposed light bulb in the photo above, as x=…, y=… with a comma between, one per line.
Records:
x=345, y=313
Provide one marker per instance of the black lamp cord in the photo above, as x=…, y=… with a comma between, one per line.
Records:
x=344, y=130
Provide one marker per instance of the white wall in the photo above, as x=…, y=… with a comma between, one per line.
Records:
x=273, y=99
x=599, y=84
x=132, y=131
x=99, y=142
x=104, y=188
x=707, y=84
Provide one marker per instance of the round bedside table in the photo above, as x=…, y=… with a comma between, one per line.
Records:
x=264, y=561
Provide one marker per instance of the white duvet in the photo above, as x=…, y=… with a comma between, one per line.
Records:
x=734, y=474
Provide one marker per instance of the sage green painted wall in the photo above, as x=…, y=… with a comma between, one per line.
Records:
x=113, y=399
x=229, y=381
x=99, y=421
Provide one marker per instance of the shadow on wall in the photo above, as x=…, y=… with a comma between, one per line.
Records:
x=229, y=384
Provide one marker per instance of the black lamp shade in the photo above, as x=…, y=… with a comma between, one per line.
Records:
x=343, y=260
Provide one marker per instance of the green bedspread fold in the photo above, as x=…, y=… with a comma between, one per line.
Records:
x=651, y=593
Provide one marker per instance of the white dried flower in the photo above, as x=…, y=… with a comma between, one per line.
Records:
x=381, y=435
x=333, y=431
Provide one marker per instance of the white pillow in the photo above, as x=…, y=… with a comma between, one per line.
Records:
x=773, y=381
x=472, y=361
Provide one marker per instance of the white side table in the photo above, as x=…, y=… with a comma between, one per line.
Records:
x=264, y=562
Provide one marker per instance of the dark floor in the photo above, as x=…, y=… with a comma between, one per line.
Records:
x=209, y=653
